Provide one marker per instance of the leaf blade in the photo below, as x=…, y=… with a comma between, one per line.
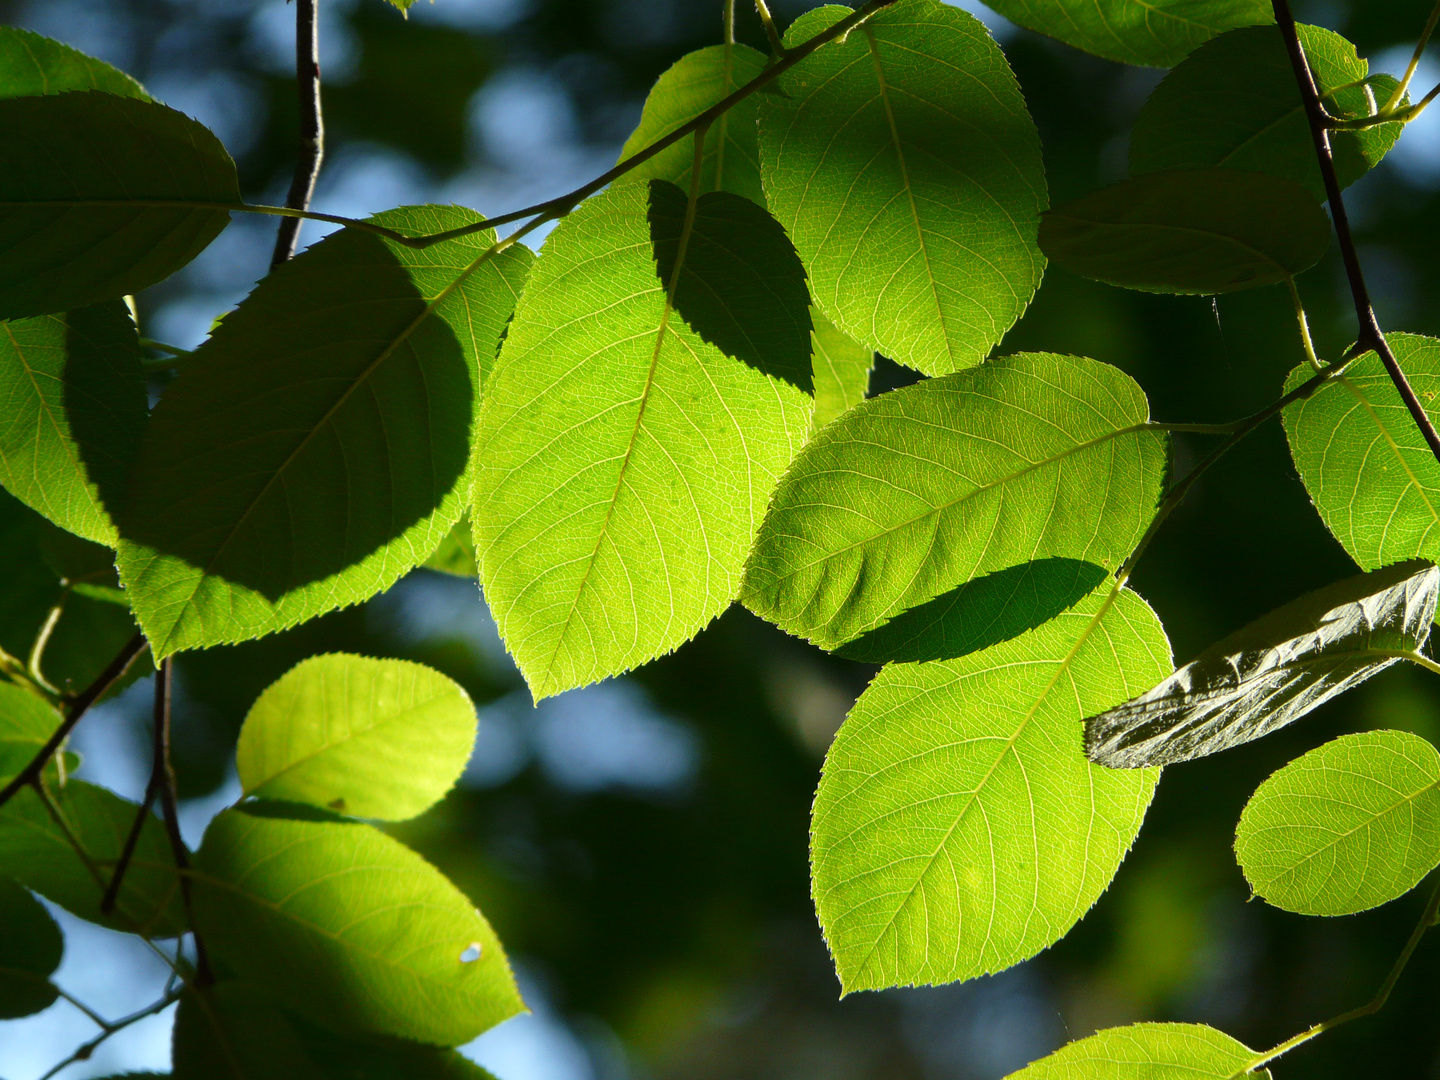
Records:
x=1148, y=1052
x=30, y=951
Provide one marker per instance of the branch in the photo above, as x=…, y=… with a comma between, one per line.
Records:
x=312, y=127
x=1370, y=336
x=84, y=1052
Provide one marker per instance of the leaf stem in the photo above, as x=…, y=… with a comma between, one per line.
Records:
x=1417, y=657
x=312, y=127
x=94, y=1017
x=777, y=45
x=1304, y=325
x=42, y=639
x=160, y=346
x=729, y=18
x=83, y=1052
x=1399, y=92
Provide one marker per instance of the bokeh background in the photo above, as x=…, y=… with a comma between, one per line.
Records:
x=641, y=845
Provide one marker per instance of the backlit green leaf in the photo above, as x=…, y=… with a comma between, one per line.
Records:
x=1365, y=464
x=30, y=951
x=1273, y=671
x=1193, y=231
x=1349, y=826
x=31, y=64
x=904, y=165
x=348, y=928
x=371, y=738
x=456, y=553
x=231, y=1031
x=1234, y=104
x=841, y=368
x=958, y=828
x=101, y=196
x=628, y=449
x=1148, y=1052
x=917, y=491
x=318, y=445
x=26, y=723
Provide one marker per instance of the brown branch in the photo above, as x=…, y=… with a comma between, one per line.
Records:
x=312, y=127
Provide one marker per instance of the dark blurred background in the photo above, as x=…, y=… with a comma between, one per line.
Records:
x=641, y=845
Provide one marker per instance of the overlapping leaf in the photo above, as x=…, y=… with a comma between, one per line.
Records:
x=958, y=829
x=922, y=489
x=1273, y=671
x=30, y=951
x=905, y=166
x=26, y=724
x=1148, y=1052
x=31, y=64
x=841, y=369
x=233, y=1031
x=628, y=446
x=456, y=553
x=319, y=444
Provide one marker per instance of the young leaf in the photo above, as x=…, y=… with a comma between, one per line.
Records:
x=904, y=165
x=232, y=1031
x=31, y=65
x=318, y=446
x=30, y=951
x=26, y=723
x=957, y=828
x=1349, y=826
x=1365, y=464
x=1193, y=231
x=348, y=928
x=1151, y=33
x=1273, y=671
x=1233, y=104
x=101, y=196
x=1148, y=1052
x=841, y=368
x=371, y=738
x=627, y=450
x=72, y=408
x=456, y=553
x=922, y=489
x=731, y=160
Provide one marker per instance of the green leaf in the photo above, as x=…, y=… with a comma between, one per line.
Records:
x=72, y=409
x=1148, y=1052
x=841, y=368
x=30, y=951
x=1234, y=104
x=627, y=451
x=35, y=851
x=456, y=553
x=26, y=724
x=370, y=738
x=31, y=65
x=1193, y=231
x=1273, y=671
x=1365, y=464
x=318, y=446
x=731, y=160
x=917, y=491
x=1349, y=826
x=348, y=928
x=1151, y=33
x=904, y=165
x=101, y=196
x=385, y=1059
x=958, y=829
x=232, y=1031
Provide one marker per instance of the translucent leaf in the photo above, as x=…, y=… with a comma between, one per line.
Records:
x=318, y=445
x=1148, y=1052
x=1194, y=231
x=370, y=738
x=1365, y=464
x=347, y=927
x=920, y=490
x=1234, y=104
x=233, y=1031
x=30, y=951
x=1273, y=671
x=731, y=160
x=627, y=451
x=904, y=165
x=1349, y=826
x=31, y=64
x=958, y=829
x=26, y=723
x=456, y=553
x=34, y=851
x=1151, y=33
x=841, y=368
x=72, y=407
x=101, y=196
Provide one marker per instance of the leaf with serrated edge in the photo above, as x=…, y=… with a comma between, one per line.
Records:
x=905, y=166
x=30, y=951
x=31, y=64
x=1273, y=671
x=1148, y=1052
x=456, y=553
x=958, y=829
x=625, y=460
x=318, y=446
x=841, y=368
x=919, y=490
x=1373, y=479
x=1349, y=826
x=371, y=738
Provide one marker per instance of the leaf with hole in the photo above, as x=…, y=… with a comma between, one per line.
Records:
x=1148, y=1052
x=1273, y=671
x=31, y=65
x=841, y=368
x=30, y=951
x=904, y=164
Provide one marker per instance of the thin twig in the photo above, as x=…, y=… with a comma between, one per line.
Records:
x=112, y=891
x=1404, y=84
x=312, y=126
x=42, y=640
x=84, y=1052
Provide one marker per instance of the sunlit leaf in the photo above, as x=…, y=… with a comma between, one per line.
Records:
x=841, y=368
x=1148, y=1052
x=31, y=64
x=922, y=489
x=1349, y=826
x=30, y=951
x=1192, y=231
x=905, y=166
x=370, y=738
x=456, y=553
x=231, y=1031
x=318, y=446
x=1273, y=671
x=26, y=723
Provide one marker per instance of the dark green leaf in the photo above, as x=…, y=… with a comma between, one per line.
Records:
x=385, y=1059
x=1195, y=231
x=1149, y=1052
x=31, y=65
x=1273, y=671
x=30, y=951
x=231, y=1031
x=456, y=553
x=841, y=369
x=26, y=723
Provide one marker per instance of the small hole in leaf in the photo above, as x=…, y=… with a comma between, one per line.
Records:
x=471, y=953
x=337, y=803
